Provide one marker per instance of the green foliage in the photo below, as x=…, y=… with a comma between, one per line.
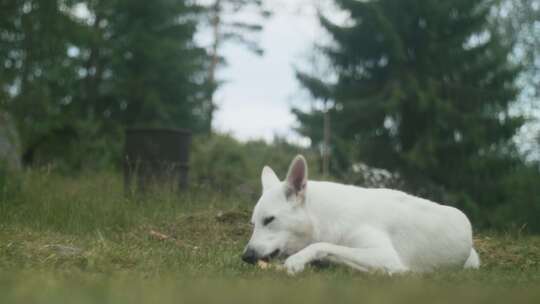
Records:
x=73, y=83
x=221, y=163
x=37, y=75
x=10, y=183
x=523, y=200
x=157, y=72
x=422, y=88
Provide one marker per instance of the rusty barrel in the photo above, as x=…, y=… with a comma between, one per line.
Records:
x=156, y=157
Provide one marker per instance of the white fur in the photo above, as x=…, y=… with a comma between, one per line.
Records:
x=366, y=229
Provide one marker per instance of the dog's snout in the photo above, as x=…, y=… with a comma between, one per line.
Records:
x=249, y=256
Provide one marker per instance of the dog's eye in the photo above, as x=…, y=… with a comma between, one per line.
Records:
x=268, y=220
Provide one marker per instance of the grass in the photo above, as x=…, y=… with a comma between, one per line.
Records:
x=82, y=240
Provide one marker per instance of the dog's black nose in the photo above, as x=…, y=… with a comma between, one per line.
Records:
x=249, y=256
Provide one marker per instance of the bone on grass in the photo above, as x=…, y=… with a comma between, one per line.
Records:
x=265, y=265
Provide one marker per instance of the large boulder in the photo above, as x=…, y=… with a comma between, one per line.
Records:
x=9, y=143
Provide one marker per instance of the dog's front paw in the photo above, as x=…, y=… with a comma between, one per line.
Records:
x=295, y=264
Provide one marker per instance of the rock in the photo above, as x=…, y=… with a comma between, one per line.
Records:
x=9, y=142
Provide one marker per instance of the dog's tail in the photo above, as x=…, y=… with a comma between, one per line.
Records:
x=473, y=262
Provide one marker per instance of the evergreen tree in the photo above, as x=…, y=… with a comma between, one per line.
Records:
x=143, y=66
x=73, y=83
x=423, y=88
x=37, y=76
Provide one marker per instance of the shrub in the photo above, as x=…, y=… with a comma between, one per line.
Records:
x=522, y=207
x=10, y=183
x=222, y=163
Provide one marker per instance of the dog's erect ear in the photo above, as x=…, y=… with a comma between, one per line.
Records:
x=297, y=178
x=268, y=178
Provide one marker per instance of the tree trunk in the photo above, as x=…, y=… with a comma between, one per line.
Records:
x=216, y=27
x=92, y=79
x=327, y=134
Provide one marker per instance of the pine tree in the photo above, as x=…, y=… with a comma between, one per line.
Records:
x=144, y=67
x=74, y=83
x=423, y=88
x=38, y=77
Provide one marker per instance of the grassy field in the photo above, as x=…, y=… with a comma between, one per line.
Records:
x=80, y=240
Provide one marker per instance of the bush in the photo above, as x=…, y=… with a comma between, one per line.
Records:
x=224, y=164
x=10, y=183
x=218, y=162
x=522, y=207
x=77, y=151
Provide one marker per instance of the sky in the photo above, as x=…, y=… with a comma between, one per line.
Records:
x=255, y=101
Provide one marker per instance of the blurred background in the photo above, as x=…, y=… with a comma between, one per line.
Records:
x=437, y=98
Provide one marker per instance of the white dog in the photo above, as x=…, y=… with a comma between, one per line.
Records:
x=366, y=229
